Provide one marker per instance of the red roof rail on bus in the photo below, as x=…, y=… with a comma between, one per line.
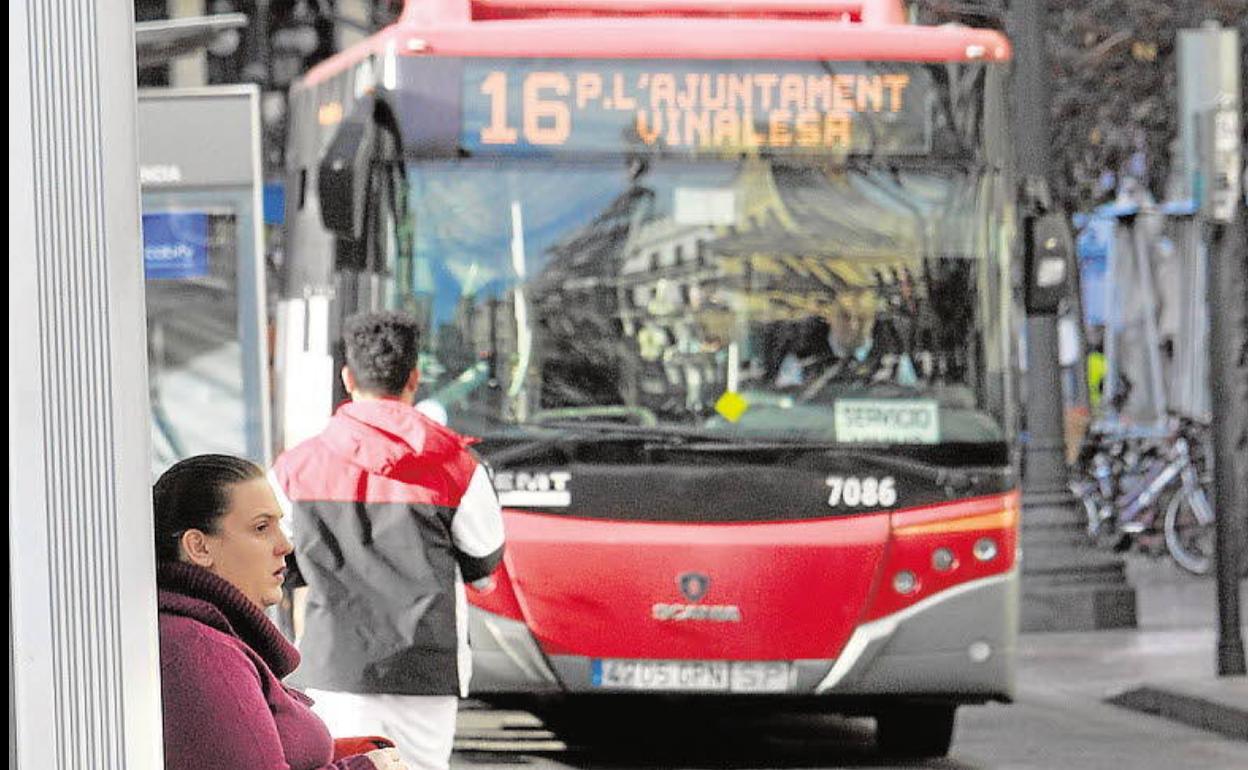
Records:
x=841, y=30
x=863, y=11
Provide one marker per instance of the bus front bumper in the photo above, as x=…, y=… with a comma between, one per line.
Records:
x=957, y=645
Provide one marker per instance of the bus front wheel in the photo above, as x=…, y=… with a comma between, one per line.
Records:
x=915, y=730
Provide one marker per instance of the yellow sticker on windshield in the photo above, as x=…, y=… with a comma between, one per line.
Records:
x=731, y=406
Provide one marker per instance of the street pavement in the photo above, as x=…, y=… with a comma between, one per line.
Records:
x=1063, y=717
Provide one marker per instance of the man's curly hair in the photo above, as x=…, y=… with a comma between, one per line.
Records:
x=382, y=350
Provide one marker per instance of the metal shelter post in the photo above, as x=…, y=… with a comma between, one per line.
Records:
x=84, y=688
x=1210, y=100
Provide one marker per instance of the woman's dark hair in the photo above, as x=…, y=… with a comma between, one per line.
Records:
x=194, y=494
x=382, y=350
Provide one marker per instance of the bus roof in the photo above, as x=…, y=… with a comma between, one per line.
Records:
x=838, y=30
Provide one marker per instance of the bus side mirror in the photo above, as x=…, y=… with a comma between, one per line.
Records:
x=1047, y=262
x=342, y=179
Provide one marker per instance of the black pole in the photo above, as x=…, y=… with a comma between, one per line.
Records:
x=1031, y=85
x=259, y=66
x=1067, y=585
x=1228, y=337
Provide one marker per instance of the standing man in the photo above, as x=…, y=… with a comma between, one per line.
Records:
x=390, y=513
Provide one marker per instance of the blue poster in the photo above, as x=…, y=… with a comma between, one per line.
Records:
x=1093, y=245
x=175, y=245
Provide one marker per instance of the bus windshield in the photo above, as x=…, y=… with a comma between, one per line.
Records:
x=767, y=250
x=763, y=298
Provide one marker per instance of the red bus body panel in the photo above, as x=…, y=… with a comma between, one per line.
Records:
x=586, y=587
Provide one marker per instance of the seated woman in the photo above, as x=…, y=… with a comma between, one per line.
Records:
x=220, y=558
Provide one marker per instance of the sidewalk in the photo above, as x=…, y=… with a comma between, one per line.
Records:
x=1167, y=667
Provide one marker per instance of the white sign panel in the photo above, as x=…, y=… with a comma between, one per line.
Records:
x=887, y=421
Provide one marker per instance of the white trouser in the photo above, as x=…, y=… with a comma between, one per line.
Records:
x=421, y=726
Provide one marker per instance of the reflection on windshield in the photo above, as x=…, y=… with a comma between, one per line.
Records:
x=748, y=296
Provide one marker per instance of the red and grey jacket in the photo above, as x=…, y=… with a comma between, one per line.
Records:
x=390, y=513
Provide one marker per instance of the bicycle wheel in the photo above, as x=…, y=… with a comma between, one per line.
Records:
x=1090, y=502
x=1189, y=541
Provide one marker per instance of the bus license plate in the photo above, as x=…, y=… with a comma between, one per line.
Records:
x=692, y=675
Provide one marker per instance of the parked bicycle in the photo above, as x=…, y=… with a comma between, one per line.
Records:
x=1149, y=491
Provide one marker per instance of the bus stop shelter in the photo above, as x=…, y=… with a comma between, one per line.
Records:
x=203, y=257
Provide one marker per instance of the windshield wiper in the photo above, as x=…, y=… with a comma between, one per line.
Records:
x=638, y=431
x=599, y=431
x=952, y=479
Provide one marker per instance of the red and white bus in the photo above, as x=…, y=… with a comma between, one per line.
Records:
x=724, y=290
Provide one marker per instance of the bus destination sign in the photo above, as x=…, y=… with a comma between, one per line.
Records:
x=557, y=106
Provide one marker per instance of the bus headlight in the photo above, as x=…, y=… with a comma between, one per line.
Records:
x=985, y=549
x=943, y=560
x=905, y=582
